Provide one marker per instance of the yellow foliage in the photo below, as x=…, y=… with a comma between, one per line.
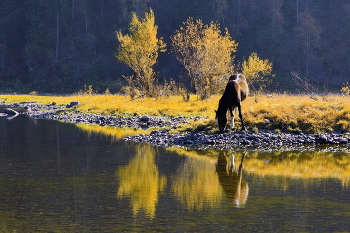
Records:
x=256, y=70
x=139, y=50
x=345, y=90
x=205, y=53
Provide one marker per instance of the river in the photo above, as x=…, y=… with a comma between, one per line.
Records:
x=62, y=177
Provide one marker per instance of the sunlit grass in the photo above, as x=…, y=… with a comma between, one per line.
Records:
x=295, y=112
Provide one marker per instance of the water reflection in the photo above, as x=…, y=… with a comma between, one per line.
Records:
x=57, y=178
x=230, y=178
x=111, y=133
x=204, y=181
x=296, y=164
x=140, y=181
x=196, y=183
x=292, y=164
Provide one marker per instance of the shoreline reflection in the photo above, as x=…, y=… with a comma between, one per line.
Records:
x=205, y=181
x=306, y=165
x=113, y=134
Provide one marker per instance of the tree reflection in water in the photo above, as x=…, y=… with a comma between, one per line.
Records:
x=140, y=180
x=207, y=178
x=196, y=184
x=202, y=181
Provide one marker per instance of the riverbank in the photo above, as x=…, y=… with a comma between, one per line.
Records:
x=265, y=140
x=282, y=113
x=68, y=113
x=261, y=139
x=197, y=128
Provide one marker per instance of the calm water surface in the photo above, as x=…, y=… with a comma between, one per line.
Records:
x=59, y=177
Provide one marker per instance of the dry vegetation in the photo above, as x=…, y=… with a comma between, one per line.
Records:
x=285, y=112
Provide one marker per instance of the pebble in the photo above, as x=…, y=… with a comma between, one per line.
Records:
x=265, y=139
x=57, y=112
x=240, y=139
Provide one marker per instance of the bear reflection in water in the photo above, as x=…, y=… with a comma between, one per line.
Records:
x=230, y=178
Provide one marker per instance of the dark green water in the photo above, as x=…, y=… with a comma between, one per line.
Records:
x=54, y=177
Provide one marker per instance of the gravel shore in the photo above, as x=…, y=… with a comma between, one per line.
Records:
x=60, y=112
x=264, y=139
x=261, y=139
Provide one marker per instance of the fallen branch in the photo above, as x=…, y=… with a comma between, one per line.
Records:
x=313, y=91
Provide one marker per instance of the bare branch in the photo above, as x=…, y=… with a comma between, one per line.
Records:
x=303, y=84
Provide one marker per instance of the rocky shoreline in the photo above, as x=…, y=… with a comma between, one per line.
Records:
x=61, y=113
x=263, y=139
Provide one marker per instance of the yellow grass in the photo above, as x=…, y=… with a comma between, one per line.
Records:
x=296, y=112
x=115, y=104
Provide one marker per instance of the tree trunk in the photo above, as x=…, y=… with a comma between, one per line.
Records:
x=73, y=5
x=297, y=12
x=3, y=58
x=57, y=37
x=86, y=22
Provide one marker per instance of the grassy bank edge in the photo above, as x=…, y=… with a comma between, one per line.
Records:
x=292, y=113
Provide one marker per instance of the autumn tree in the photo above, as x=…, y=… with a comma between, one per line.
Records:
x=257, y=71
x=139, y=50
x=206, y=53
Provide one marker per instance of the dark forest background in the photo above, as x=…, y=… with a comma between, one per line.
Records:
x=60, y=45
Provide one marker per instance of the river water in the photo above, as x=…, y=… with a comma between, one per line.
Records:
x=61, y=177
